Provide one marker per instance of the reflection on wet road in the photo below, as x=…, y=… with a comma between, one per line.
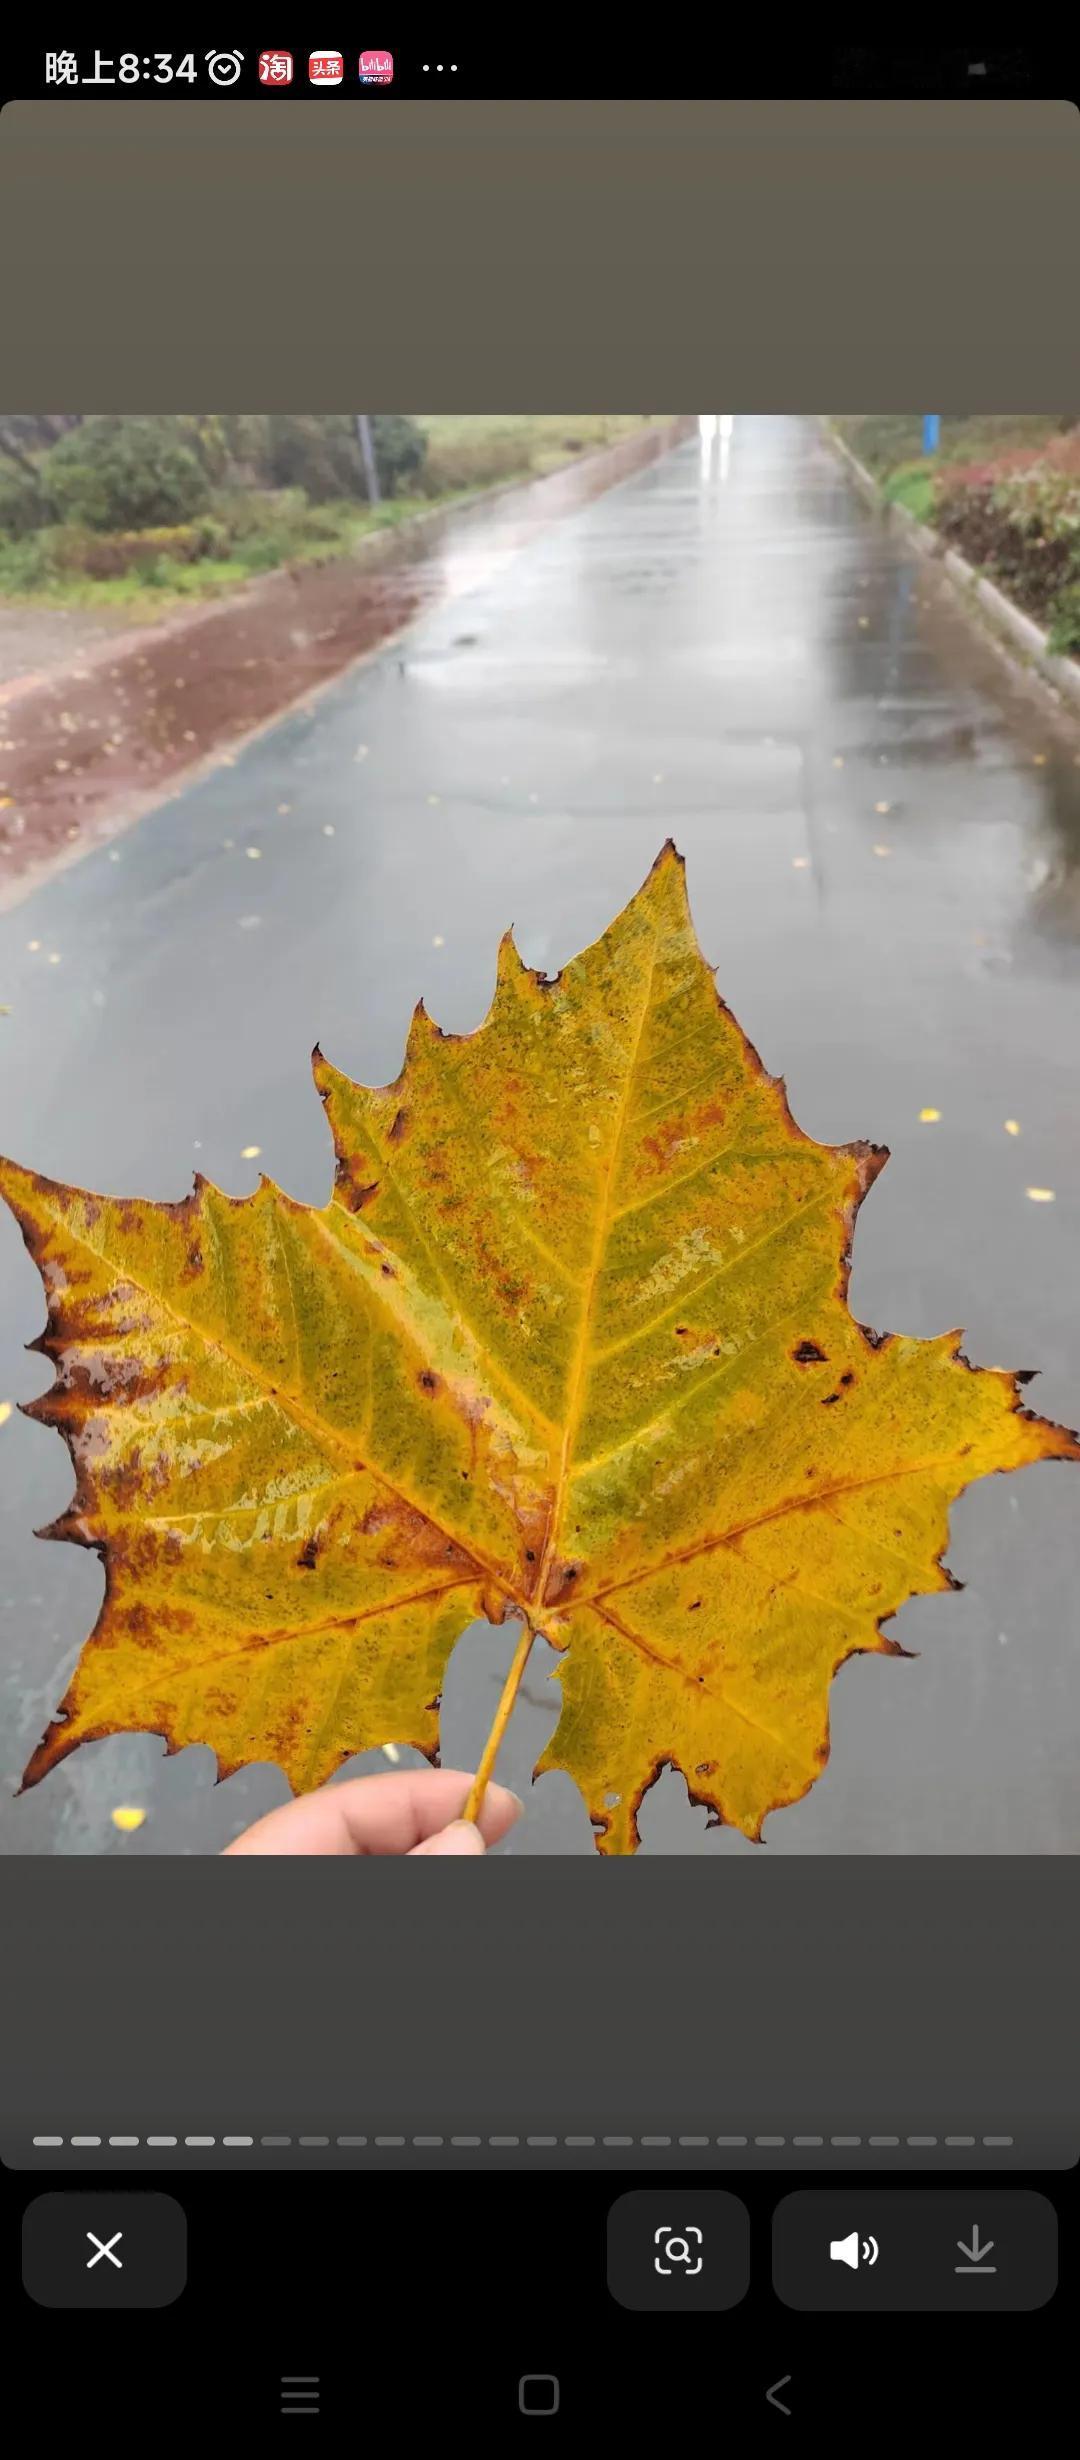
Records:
x=882, y=833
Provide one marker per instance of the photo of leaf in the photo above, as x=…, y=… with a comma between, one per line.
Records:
x=570, y=1347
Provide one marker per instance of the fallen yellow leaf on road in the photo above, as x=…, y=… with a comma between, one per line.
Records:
x=569, y=1348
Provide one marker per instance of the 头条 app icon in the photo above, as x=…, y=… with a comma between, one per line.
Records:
x=326, y=68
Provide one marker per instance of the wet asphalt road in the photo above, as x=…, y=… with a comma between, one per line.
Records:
x=882, y=833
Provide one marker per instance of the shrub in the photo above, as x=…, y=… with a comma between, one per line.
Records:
x=101, y=558
x=22, y=505
x=253, y=512
x=472, y=461
x=322, y=455
x=124, y=474
x=266, y=553
x=1065, y=622
x=26, y=563
x=1024, y=531
x=213, y=535
x=400, y=448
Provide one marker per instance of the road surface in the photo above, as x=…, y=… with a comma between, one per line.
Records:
x=882, y=834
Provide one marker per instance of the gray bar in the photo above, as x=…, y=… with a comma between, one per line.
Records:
x=174, y=1958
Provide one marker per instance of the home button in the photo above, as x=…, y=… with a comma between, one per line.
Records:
x=538, y=2395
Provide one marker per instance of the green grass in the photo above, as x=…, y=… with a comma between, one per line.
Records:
x=505, y=443
x=263, y=532
x=469, y=452
x=36, y=568
x=912, y=486
x=884, y=444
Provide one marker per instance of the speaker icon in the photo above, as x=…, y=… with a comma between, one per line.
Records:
x=853, y=2250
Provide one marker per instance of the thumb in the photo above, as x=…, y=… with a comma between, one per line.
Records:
x=461, y=1837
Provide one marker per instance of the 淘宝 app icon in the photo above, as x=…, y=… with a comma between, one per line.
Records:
x=275, y=68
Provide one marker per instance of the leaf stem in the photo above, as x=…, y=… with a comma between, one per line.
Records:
x=507, y=1698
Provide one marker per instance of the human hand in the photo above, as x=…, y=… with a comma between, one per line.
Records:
x=415, y=1811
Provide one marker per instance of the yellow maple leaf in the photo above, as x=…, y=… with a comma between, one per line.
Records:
x=571, y=1344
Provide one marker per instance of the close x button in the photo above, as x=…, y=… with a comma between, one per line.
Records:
x=915, y=2250
x=96, y=2248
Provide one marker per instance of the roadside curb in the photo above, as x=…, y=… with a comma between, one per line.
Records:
x=244, y=662
x=626, y=455
x=1017, y=634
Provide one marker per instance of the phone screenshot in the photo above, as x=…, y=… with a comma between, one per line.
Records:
x=539, y=1327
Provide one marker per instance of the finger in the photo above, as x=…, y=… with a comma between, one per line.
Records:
x=461, y=1837
x=377, y=1815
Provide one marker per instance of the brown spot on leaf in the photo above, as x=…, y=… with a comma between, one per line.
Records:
x=352, y=1195
x=808, y=1354
x=560, y=1582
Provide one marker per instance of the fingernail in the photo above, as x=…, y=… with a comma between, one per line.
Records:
x=461, y=1837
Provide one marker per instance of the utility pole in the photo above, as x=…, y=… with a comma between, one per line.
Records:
x=367, y=455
